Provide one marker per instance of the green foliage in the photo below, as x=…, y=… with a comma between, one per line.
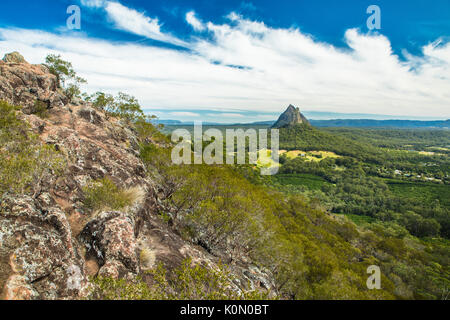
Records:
x=10, y=124
x=62, y=69
x=24, y=162
x=65, y=74
x=73, y=91
x=360, y=220
x=223, y=211
x=307, y=138
x=310, y=181
x=424, y=192
x=227, y=215
x=405, y=139
x=101, y=100
x=107, y=288
x=103, y=193
x=126, y=106
x=196, y=282
x=40, y=109
x=288, y=222
x=123, y=106
x=420, y=226
x=353, y=189
x=187, y=282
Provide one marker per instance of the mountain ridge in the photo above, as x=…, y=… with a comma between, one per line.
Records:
x=356, y=123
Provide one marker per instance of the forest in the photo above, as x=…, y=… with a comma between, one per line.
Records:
x=386, y=183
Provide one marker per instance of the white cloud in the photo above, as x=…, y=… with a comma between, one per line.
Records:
x=233, y=16
x=196, y=24
x=133, y=21
x=183, y=114
x=251, y=66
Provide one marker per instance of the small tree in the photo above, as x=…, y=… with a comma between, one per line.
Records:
x=65, y=74
x=101, y=100
x=126, y=106
x=123, y=106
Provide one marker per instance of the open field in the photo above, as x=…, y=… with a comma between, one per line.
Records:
x=310, y=155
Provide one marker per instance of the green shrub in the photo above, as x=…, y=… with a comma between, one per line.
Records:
x=25, y=164
x=187, y=282
x=123, y=106
x=106, y=288
x=40, y=109
x=104, y=194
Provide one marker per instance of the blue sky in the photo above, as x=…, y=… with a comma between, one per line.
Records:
x=244, y=61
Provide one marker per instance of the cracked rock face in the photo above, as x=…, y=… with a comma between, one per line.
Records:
x=110, y=239
x=40, y=255
x=37, y=253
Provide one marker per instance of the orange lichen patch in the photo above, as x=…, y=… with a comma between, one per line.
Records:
x=77, y=222
x=92, y=267
x=17, y=288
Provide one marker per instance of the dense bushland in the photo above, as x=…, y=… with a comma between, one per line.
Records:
x=25, y=163
x=312, y=254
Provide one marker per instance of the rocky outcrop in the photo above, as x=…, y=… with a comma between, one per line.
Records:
x=41, y=255
x=51, y=244
x=28, y=85
x=290, y=117
x=14, y=57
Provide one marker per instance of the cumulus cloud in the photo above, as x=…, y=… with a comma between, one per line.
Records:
x=195, y=23
x=247, y=65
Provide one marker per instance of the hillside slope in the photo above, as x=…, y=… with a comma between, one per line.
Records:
x=50, y=242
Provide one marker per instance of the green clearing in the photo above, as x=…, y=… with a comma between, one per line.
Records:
x=360, y=220
x=426, y=192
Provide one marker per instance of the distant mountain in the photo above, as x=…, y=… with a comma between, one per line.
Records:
x=268, y=123
x=293, y=116
x=369, y=123
x=168, y=122
x=290, y=117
